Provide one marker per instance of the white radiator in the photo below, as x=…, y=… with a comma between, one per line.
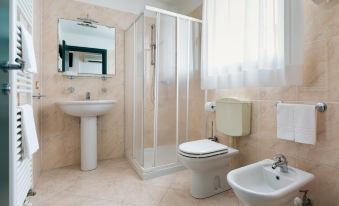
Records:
x=21, y=171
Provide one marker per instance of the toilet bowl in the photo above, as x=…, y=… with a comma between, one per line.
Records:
x=208, y=161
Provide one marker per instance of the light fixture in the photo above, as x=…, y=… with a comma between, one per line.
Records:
x=87, y=22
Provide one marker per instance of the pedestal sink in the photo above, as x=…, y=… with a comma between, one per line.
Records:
x=88, y=111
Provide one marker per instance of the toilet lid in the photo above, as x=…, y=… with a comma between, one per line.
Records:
x=201, y=147
x=202, y=155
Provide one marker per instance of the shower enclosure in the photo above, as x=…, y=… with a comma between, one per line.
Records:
x=163, y=98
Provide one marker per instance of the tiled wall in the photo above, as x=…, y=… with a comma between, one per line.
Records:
x=60, y=132
x=61, y=138
x=37, y=78
x=321, y=83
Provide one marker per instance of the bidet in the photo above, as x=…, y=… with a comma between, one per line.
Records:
x=259, y=184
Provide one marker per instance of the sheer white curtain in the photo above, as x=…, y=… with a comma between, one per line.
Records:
x=252, y=43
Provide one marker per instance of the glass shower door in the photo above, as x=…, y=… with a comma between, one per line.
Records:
x=165, y=119
x=175, y=62
x=138, y=145
x=162, y=89
x=129, y=90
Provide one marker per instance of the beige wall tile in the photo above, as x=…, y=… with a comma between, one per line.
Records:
x=37, y=79
x=60, y=132
x=321, y=83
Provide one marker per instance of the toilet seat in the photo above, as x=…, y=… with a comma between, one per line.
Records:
x=202, y=149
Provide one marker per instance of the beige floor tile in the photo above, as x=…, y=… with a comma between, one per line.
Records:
x=163, y=181
x=65, y=199
x=226, y=198
x=176, y=197
x=115, y=183
x=144, y=195
x=182, y=181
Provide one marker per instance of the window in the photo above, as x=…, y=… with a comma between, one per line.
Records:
x=252, y=43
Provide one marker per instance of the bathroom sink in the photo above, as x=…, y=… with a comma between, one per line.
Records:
x=88, y=108
x=88, y=111
x=260, y=185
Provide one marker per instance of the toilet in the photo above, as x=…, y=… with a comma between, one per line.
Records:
x=208, y=160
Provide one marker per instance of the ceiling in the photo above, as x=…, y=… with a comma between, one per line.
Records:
x=188, y=4
x=178, y=1
x=137, y=6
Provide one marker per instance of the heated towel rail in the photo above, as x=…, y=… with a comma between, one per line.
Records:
x=21, y=171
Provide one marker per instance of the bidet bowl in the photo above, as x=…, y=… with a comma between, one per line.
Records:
x=260, y=185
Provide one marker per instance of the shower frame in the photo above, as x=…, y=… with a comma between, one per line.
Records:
x=155, y=170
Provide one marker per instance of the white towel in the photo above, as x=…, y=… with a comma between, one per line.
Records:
x=285, y=121
x=305, y=120
x=28, y=54
x=30, y=137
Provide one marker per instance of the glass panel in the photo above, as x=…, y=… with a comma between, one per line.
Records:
x=4, y=105
x=129, y=92
x=150, y=38
x=166, y=81
x=139, y=92
x=183, y=59
x=196, y=112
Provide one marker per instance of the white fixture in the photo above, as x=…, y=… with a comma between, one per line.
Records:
x=88, y=111
x=208, y=161
x=260, y=185
x=233, y=117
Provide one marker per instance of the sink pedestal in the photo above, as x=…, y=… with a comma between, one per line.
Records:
x=88, y=111
x=88, y=143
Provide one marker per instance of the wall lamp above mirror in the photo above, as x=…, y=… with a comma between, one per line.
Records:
x=86, y=48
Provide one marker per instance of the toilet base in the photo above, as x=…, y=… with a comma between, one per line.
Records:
x=207, y=184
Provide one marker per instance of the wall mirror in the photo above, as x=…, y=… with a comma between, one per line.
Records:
x=86, y=48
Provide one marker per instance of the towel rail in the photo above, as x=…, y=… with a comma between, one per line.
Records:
x=7, y=66
x=21, y=83
x=20, y=63
x=320, y=106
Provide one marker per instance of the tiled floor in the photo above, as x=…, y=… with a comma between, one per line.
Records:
x=114, y=183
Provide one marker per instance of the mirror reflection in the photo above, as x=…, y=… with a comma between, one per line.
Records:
x=86, y=48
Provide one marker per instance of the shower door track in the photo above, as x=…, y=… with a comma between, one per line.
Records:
x=169, y=13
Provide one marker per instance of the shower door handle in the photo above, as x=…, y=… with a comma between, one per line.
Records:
x=153, y=44
x=153, y=47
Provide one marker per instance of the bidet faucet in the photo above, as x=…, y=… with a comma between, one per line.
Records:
x=88, y=96
x=280, y=161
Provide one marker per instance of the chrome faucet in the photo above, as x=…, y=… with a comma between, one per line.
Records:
x=280, y=161
x=88, y=96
